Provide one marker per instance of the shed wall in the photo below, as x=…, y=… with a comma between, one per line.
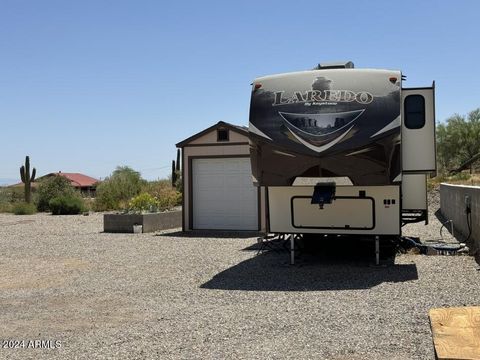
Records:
x=209, y=150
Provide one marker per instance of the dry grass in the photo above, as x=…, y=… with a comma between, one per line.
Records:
x=463, y=178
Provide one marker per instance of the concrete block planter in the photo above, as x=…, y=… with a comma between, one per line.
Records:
x=124, y=223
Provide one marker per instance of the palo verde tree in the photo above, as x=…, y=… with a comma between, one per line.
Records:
x=118, y=189
x=27, y=179
x=458, y=140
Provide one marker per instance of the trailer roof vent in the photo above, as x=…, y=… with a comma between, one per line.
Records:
x=335, y=65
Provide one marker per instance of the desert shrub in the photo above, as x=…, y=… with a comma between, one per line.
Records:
x=432, y=184
x=89, y=204
x=165, y=199
x=179, y=183
x=179, y=198
x=50, y=188
x=117, y=189
x=143, y=202
x=168, y=198
x=461, y=176
x=154, y=188
x=17, y=194
x=5, y=203
x=66, y=205
x=163, y=191
x=6, y=207
x=24, y=209
x=9, y=197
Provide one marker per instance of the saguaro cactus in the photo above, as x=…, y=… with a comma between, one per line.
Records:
x=27, y=179
x=178, y=160
x=174, y=174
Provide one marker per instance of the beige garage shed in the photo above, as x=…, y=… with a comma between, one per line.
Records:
x=218, y=189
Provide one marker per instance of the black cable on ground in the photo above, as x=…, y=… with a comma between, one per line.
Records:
x=468, y=214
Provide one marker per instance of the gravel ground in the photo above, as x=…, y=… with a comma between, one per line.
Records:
x=148, y=296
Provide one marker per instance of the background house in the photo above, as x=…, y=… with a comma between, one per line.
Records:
x=87, y=185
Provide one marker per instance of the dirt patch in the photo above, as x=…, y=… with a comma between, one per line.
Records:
x=18, y=222
x=38, y=273
x=66, y=313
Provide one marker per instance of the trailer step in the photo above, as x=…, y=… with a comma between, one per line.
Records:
x=413, y=216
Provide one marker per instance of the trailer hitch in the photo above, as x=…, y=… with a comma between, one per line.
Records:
x=323, y=193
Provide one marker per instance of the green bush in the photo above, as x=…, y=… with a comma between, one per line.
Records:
x=5, y=200
x=89, y=204
x=179, y=183
x=24, y=209
x=6, y=207
x=461, y=176
x=9, y=197
x=117, y=189
x=179, y=199
x=168, y=198
x=155, y=187
x=66, y=205
x=162, y=190
x=142, y=203
x=50, y=188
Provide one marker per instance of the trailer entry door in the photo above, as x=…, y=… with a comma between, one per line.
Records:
x=418, y=130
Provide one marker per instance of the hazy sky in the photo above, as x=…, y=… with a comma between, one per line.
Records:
x=89, y=85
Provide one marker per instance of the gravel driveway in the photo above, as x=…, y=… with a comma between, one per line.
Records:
x=105, y=296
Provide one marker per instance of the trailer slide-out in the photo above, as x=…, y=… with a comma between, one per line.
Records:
x=342, y=151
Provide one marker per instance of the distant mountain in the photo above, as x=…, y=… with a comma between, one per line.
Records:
x=7, y=181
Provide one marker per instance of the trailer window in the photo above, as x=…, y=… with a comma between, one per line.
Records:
x=414, y=111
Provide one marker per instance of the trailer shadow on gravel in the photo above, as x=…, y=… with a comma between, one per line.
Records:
x=336, y=267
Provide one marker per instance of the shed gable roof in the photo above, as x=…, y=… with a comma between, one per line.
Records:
x=221, y=124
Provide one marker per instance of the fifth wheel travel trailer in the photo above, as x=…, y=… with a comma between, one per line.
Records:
x=342, y=151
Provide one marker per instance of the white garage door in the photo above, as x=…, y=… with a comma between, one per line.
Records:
x=223, y=194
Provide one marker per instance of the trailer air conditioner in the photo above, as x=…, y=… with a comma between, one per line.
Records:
x=339, y=122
